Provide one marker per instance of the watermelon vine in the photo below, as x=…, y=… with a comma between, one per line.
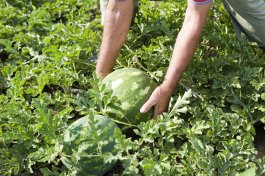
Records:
x=48, y=51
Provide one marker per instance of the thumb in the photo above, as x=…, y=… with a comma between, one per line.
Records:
x=147, y=106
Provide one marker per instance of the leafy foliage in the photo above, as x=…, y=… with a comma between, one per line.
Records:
x=47, y=59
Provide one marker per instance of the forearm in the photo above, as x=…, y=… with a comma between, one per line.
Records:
x=116, y=26
x=185, y=47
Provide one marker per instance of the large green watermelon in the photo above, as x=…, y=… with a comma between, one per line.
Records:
x=80, y=145
x=132, y=87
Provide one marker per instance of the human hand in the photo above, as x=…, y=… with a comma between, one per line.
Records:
x=159, y=99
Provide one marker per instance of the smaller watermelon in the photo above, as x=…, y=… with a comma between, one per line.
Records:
x=132, y=87
x=80, y=151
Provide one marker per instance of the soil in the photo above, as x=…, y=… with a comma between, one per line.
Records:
x=259, y=140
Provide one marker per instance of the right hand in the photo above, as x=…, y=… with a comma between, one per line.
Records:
x=159, y=99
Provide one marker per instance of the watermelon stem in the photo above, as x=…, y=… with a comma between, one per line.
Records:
x=123, y=123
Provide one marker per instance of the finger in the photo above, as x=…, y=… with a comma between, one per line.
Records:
x=159, y=109
x=157, y=112
x=147, y=106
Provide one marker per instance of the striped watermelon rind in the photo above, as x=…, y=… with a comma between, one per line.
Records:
x=77, y=137
x=132, y=87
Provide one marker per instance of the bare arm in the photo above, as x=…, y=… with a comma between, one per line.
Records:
x=117, y=21
x=186, y=43
x=184, y=49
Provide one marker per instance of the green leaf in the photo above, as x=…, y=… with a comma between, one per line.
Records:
x=249, y=172
x=181, y=101
x=263, y=96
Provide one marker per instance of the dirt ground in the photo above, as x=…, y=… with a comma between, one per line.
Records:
x=260, y=140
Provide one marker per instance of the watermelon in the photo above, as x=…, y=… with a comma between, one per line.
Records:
x=132, y=87
x=81, y=139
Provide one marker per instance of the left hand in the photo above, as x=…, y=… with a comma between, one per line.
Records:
x=160, y=99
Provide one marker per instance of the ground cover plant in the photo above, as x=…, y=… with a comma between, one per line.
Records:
x=48, y=51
